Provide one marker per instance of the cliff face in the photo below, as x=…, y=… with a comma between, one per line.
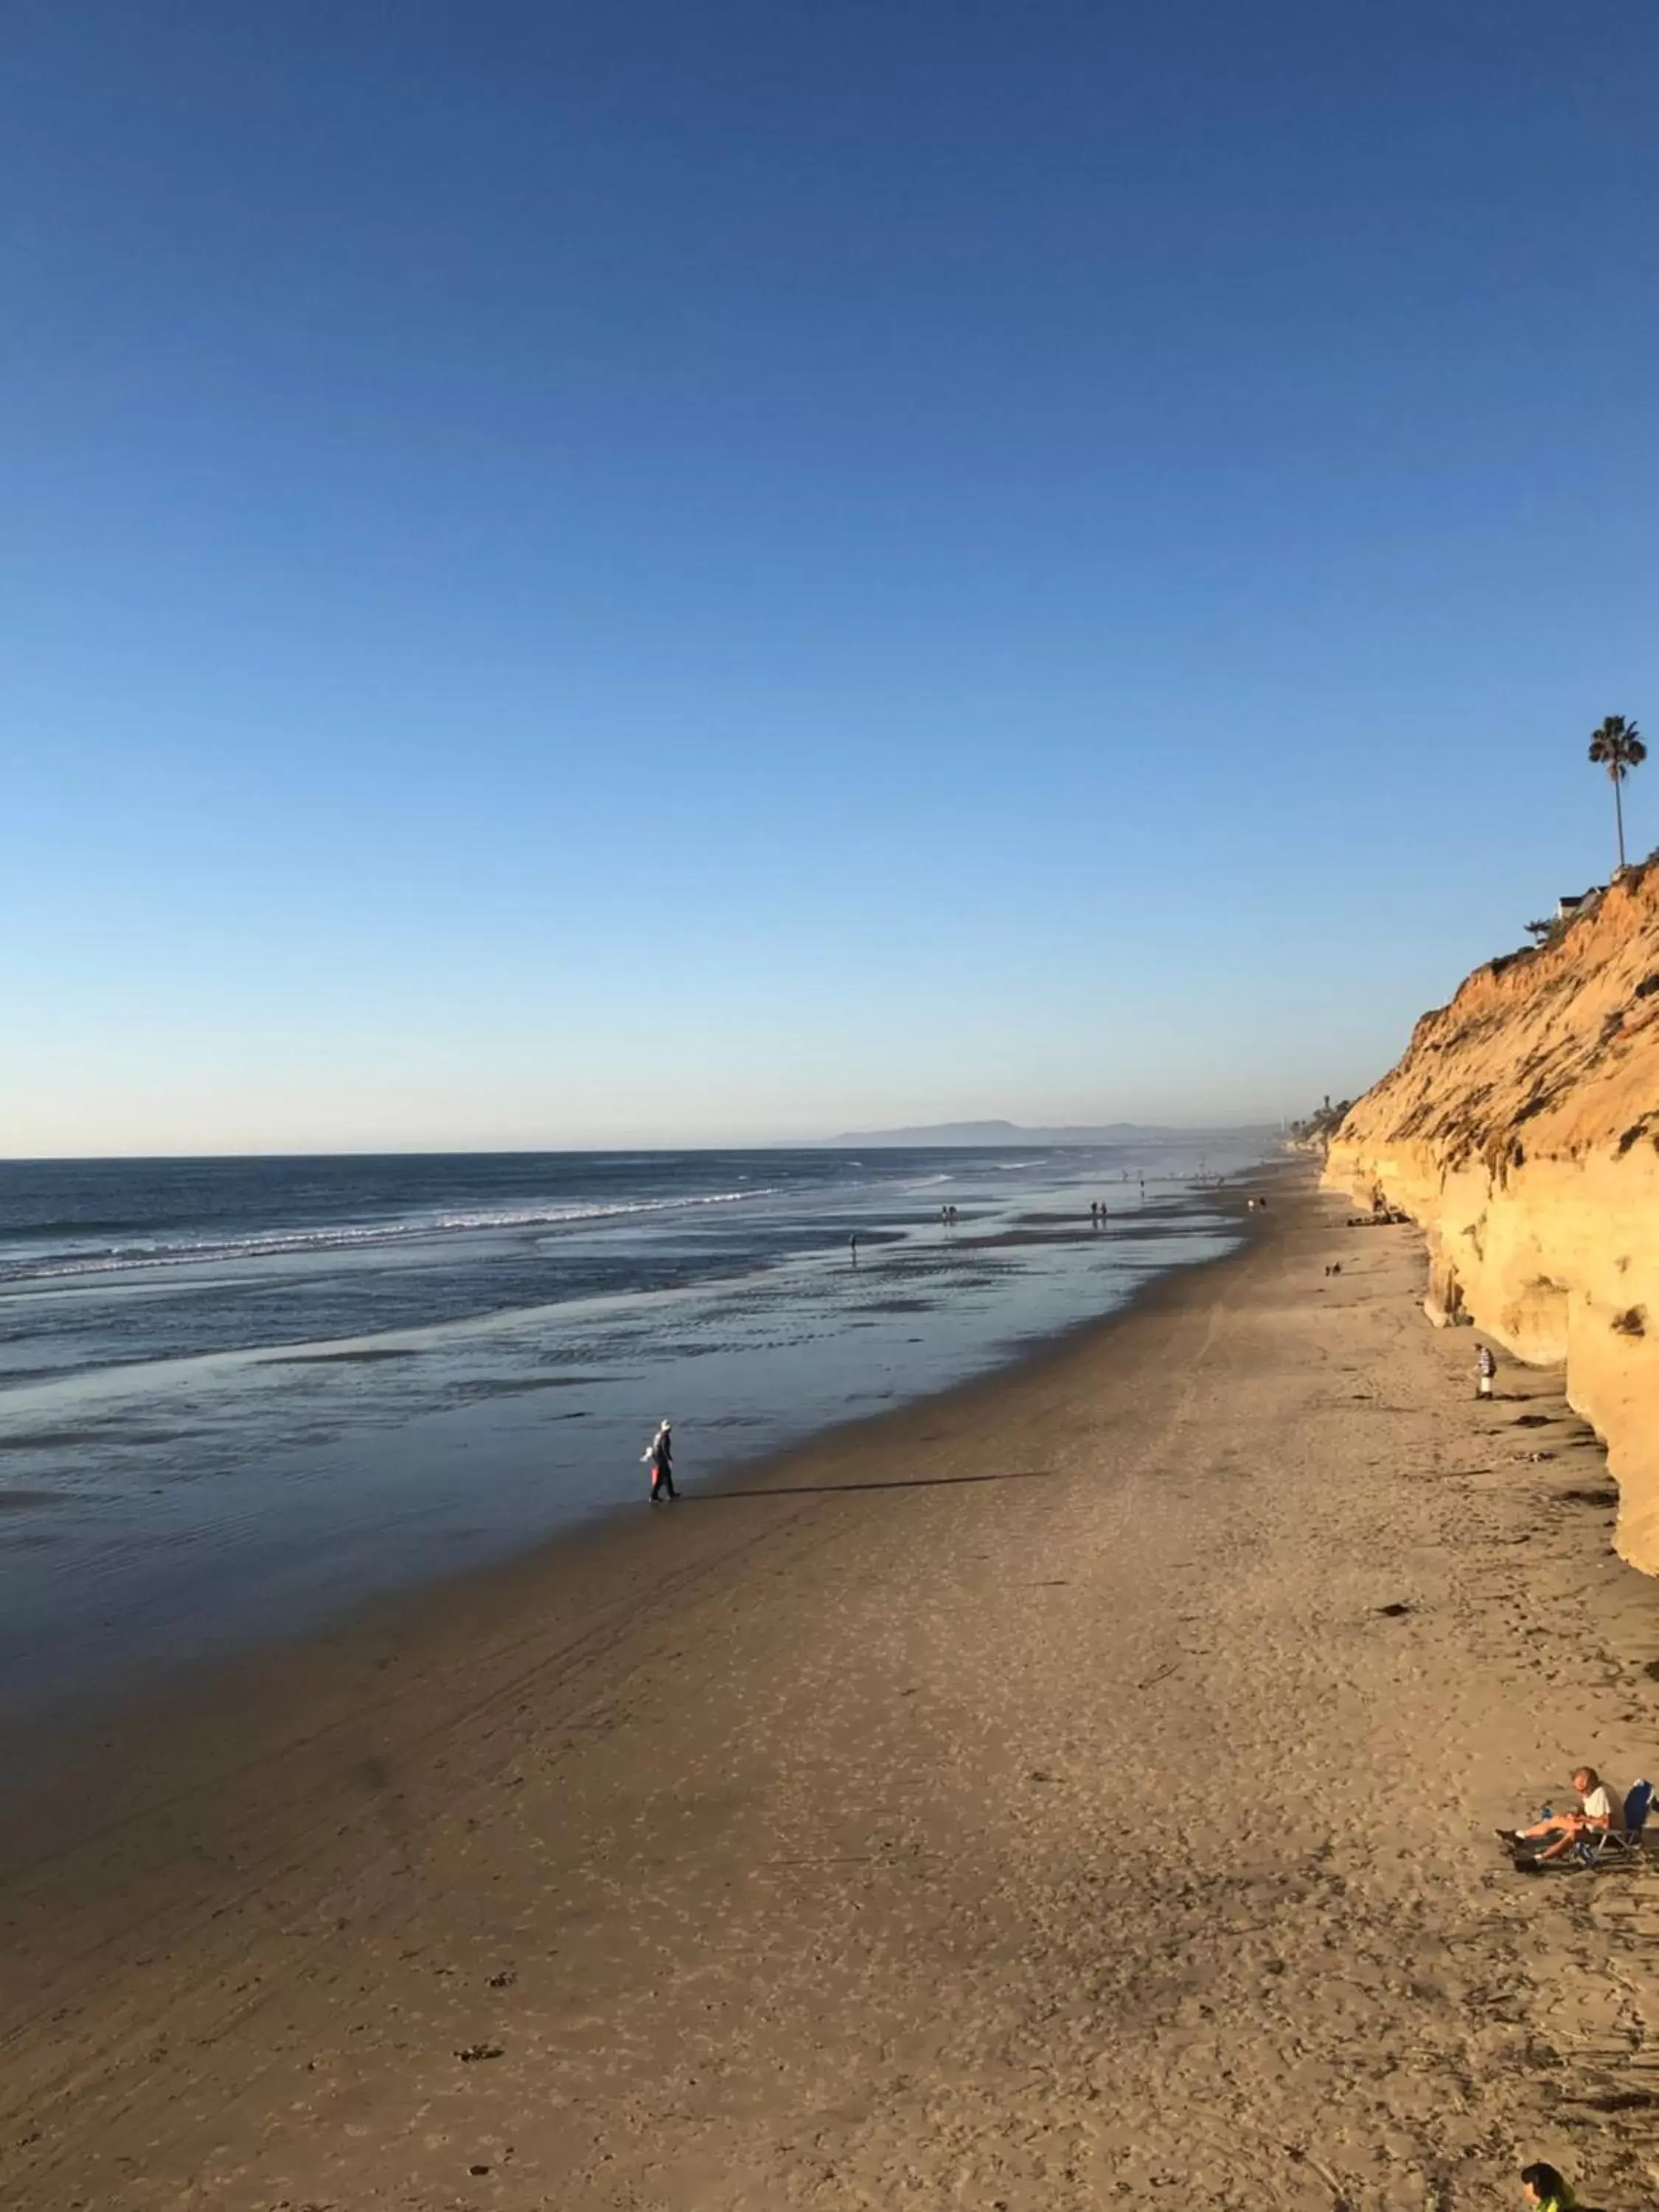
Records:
x=1521, y=1130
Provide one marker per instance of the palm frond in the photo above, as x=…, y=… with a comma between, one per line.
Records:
x=1617, y=746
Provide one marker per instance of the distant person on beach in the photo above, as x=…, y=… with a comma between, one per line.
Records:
x=1546, y=2187
x=1563, y=1830
x=1094, y=1214
x=1485, y=1366
x=660, y=1458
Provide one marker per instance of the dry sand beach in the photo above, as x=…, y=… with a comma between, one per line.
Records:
x=1078, y=1788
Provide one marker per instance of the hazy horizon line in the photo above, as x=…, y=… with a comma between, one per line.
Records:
x=847, y=1142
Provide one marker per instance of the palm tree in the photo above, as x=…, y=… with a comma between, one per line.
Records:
x=1618, y=747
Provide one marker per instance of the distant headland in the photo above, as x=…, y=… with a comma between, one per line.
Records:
x=937, y=1133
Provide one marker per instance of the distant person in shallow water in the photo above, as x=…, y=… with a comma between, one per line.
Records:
x=659, y=1457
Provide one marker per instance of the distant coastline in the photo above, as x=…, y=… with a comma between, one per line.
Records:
x=936, y=1134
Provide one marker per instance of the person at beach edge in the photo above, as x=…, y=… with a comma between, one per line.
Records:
x=1485, y=1366
x=659, y=1457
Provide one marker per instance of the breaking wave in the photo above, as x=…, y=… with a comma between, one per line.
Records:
x=17, y=1271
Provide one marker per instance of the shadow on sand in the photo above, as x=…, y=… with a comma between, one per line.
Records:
x=909, y=1482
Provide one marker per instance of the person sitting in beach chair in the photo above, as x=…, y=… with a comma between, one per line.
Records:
x=1622, y=1838
x=1560, y=1833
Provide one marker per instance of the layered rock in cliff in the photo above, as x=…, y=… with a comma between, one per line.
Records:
x=1521, y=1130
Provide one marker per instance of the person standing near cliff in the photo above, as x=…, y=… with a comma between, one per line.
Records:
x=1485, y=1367
x=658, y=1457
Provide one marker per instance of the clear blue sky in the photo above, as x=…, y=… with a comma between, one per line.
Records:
x=654, y=572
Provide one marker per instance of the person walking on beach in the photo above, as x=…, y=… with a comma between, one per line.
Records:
x=1485, y=1368
x=660, y=1458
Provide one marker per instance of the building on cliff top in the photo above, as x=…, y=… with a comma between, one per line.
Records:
x=1573, y=904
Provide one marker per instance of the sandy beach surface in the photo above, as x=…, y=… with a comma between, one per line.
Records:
x=1077, y=1789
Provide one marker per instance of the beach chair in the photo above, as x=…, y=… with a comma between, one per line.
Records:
x=1601, y=1846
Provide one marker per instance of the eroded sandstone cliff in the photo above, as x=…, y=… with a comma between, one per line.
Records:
x=1521, y=1130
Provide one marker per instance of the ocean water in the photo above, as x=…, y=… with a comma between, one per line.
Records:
x=237, y=1395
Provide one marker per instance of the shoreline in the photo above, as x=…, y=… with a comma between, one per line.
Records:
x=78, y=1714
x=1038, y=1792
x=205, y=1502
